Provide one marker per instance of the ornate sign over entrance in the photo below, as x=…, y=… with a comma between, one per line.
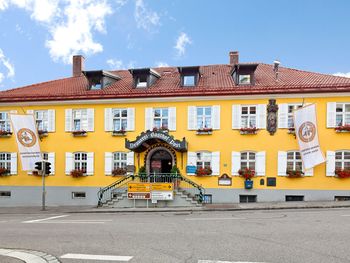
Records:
x=146, y=139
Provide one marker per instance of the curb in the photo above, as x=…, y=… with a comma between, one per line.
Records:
x=28, y=256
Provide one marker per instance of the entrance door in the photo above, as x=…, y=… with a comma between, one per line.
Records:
x=161, y=162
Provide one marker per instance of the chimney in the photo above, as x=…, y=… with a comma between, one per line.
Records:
x=276, y=65
x=78, y=65
x=234, y=56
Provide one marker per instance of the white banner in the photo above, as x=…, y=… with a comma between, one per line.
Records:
x=305, y=123
x=27, y=140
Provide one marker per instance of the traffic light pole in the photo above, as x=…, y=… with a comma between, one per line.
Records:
x=44, y=190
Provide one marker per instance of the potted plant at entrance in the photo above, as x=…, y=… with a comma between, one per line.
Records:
x=4, y=171
x=175, y=174
x=342, y=173
x=142, y=173
x=119, y=171
x=247, y=174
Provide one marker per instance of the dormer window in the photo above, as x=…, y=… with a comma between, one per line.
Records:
x=244, y=79
x=244, y=74
x=189, y=76
x=99, y=79
x=141, y=82
x=144, y=78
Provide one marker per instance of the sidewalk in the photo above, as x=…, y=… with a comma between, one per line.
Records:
x=207, y=207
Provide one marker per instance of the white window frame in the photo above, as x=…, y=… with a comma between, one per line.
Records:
x=80, y=163
x=122, y=119
x=83, y=117
x=5, y=160
x=344, y=114
x=201, y=118
x=44, y=120
x=203, y=159
x=118, y=161
x=141, y=84
x=249, y=116
x=290, y=118
x=162, y=118
x=294, y=160
x=342, y=160
x=5, y=122
x=250, y=162
x=191, y=77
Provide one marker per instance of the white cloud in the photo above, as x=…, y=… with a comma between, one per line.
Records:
x=160, y=64
x=145, y=18
x=181, y=43
x=3, y=5
x=341, y=74
x=118, y=64
x=5, y=65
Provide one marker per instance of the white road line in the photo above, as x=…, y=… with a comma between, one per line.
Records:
x=71, y=222
x=213, y=218
x=97, y=257
x=44, y=219
x=217, y=261
x=26, y=257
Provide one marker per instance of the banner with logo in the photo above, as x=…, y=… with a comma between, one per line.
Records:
x=25, y=131
x=305, y=123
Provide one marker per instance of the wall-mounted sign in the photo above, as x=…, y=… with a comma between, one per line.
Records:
x=156, y=164
x=191, y=169
x=162, y=187
x=162, y=195
x=139, y=195
x=139, y=187
x=225, y=180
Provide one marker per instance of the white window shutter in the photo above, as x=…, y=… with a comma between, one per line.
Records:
x=215, y=163
x=192, y=118
x=130, y=158
x=148, y=119
x=236, y=116
x=172, y=118
x=283, y=116
x=282, y=163
x=108, y=119
x=260, y=163
x=90, y=120
x=191, y=160
x=235, y=162
x=69, y=120
x=69, y=162
x=13, y=163
x=30, y=111
x=51, y=127
x=215, y=117
x=108, y=163
x=309, y=172
x=130, y=125
x=330, y=165
x=261, y=116
x=331, y=119
x=90, y=163
x=51, y=159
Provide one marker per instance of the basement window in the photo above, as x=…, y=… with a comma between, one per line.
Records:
x=341, y=198
x=78, y=195
x=294, y=198
x=247, y=198
x=5, y=193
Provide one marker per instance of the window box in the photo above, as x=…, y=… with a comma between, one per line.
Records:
x=342, y=173
x=4, y=172
x=345, y=128
x=294, y=173
x=5, y=133
x=81, y=133
x=43, y=133
x=119, y=172
x=161, y=129
x=204, y=131
x=203, y=171
x=77, y=173
x=246, y=131
x=291, y=130
x=119, y=133
x=246, y=173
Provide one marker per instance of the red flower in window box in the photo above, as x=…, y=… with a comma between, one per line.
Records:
x=77, y=173
x=119, y=172
x=163, y=128
x=295, y=173
x=342, y=173
x=205, y=129
x=344, y=128
x=5, y=133
x=246, y=173
x=119, y=132
x=79, y=133
x=4, y=171
x=203, y=171
x=42, y=133
x=249, y=130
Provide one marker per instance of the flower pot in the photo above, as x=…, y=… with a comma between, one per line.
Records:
x=248, y=184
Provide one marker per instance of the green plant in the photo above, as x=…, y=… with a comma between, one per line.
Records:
x=174, y=170
x=203, y=171
x=142, y=171
x=246, y=173
x=4, y=171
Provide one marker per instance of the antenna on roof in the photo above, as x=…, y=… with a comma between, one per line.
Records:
x=276, y=65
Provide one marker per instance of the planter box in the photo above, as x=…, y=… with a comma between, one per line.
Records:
x=118, y=133
x=204, y=132
x=79, y=134
x=43, y=134
x=248, y=184
x=342, y=131
x=5, y=134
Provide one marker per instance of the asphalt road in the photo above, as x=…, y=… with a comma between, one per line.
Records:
x=246, y=236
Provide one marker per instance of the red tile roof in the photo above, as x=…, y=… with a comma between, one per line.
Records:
x=214, y=80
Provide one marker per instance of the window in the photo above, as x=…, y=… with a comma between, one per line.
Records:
x=80, y=161
x=203, y=160
x=78, y=195
x=79, y=119
x=160, y=118
x=5, y=193
x=120, y=118
x=248, y=160
x=4, y=121
x=189, y=80
x=5, y=161
x=244, y=79
x=247, y=198
x=342, y=160
x=248, y=116
x=294, y=198
x=291, y=108
x=204, y=117
x=294, y=161
x=342, y=114
x=141, y=82
x=119, y=160
x=41, y=119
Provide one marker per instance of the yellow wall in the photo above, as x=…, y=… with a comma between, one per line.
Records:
x=224, y=140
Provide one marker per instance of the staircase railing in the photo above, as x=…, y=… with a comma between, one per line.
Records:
x=191, y=188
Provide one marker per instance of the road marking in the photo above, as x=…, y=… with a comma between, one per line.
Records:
x=44, y=219
x=71, y=222
x=217, y=261
x=214, y=218
x=97, y=257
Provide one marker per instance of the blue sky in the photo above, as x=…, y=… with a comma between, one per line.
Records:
x=38, y=37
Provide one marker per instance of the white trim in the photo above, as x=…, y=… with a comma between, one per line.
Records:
x=108, y=163
x=177, y=99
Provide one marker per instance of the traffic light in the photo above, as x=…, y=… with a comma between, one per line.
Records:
x=38, y=166
x=47, y=168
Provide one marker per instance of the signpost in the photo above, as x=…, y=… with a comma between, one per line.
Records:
x=139, y=196
x=154, y=191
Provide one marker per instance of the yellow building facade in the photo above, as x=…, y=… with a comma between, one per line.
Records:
x=91, y=134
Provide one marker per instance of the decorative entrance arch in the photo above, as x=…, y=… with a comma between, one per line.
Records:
x=159, y=158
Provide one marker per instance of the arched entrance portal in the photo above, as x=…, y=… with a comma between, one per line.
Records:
x=159, y=159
